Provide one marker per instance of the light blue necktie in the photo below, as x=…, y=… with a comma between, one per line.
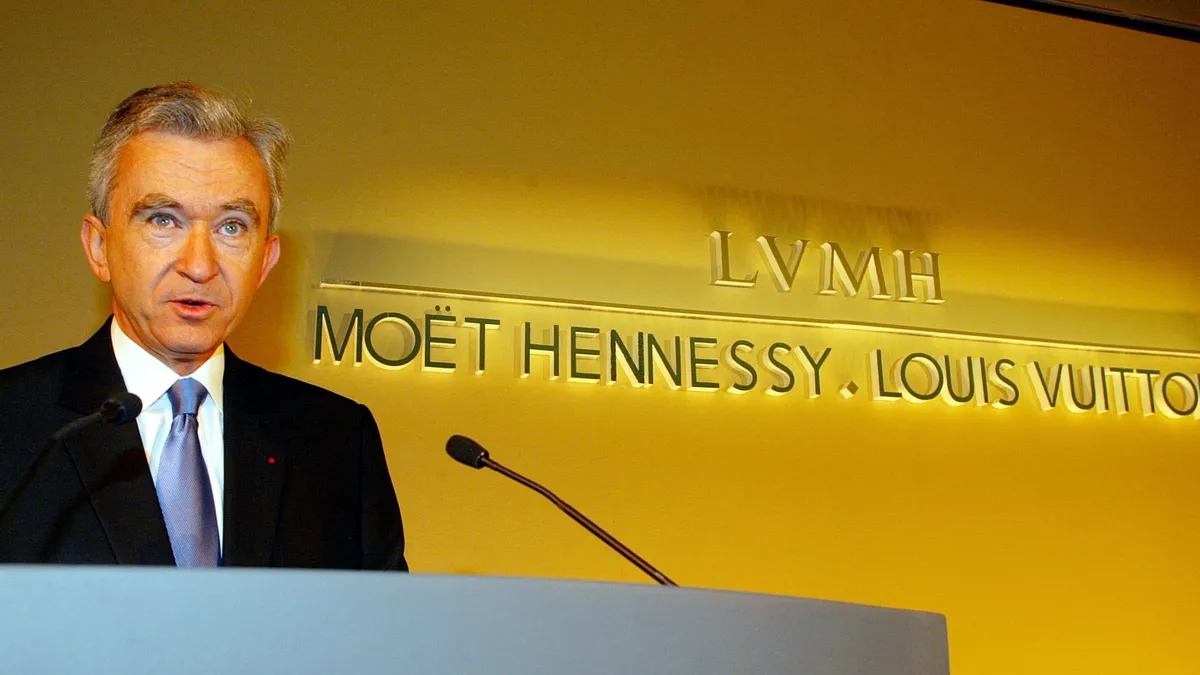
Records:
x=184, y=491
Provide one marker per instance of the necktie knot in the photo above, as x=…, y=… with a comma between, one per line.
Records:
x=186, y=395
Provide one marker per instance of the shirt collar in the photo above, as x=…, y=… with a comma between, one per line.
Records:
x=148, y=378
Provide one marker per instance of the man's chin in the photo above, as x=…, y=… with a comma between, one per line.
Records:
x=188, y=345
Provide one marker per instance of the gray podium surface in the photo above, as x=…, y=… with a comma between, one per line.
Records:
x=162, y=620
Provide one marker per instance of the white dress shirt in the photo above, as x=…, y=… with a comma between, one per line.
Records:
x=149, y=379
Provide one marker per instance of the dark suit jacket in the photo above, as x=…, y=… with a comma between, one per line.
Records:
x=306, y=483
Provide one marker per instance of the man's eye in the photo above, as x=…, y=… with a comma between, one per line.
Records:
x=232, y=227
x=161, y=220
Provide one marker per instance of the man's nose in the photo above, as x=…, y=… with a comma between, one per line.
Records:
x=197, y=261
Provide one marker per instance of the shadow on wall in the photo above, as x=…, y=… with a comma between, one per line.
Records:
x=416, y=267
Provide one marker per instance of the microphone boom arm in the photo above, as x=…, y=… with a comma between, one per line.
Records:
x=583, y=520
x=118, y=409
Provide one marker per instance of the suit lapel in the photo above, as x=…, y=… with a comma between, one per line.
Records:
x=111, y=460
x=255, y=466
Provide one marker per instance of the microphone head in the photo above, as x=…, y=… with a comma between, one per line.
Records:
x=467, y=451
x=121, y=408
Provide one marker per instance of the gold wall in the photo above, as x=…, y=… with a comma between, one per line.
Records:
x=1054, y=164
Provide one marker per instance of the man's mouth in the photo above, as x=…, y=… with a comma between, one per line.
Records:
x=194, y=308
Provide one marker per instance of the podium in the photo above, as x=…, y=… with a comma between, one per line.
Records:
x=59, y=619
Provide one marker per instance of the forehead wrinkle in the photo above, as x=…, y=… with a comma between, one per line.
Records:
x=203, y=168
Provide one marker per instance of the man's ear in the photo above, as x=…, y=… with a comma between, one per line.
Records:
x=94, y=236
x=270, y=257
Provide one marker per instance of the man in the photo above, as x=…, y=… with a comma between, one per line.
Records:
x=228, y=464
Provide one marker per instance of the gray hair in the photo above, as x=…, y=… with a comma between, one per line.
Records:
x=188, y=110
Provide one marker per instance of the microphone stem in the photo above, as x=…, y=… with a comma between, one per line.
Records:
x=43, y=456
x=76, y=425
x=583, y=520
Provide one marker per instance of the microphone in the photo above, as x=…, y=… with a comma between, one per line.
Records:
x=467, y=451
x=118, y=409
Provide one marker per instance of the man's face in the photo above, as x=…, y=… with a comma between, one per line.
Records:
x=186, y=245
